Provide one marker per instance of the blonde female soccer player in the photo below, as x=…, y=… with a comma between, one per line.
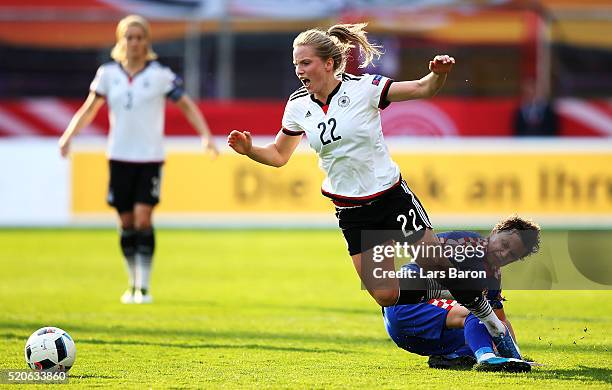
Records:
x=340, y=115
x=135, y=87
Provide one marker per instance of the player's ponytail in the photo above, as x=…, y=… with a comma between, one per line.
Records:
x=350, y=34
x=337, y=42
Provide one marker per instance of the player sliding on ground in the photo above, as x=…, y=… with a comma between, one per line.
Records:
x=449, y=334
x=444, y=330
x=340, y=115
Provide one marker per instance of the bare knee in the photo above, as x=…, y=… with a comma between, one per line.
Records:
x=143, y=224
x=126, y=220
x=143, y=216
x=455, y=319
x=385, y=297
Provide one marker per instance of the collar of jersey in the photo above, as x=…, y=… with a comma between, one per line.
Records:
x=329, y=97
x=135, y=74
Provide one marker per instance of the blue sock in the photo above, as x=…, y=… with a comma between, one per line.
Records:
x=478, y=338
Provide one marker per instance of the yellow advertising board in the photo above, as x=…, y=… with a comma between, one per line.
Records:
x=448, y=183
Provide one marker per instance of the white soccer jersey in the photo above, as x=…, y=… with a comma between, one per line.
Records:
x=136, y=109
x=346, y=133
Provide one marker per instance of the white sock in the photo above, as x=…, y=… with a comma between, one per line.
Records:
x=495, y=327
x=484, y=312
x=143, y=271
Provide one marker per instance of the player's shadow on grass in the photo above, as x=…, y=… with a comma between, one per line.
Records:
x=213, y=346
x=581, y=374
x=269, y=336
x=320, y=309
x=302, y=308
x=252, y=346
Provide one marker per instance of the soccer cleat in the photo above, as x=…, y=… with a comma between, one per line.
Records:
x=506, y=347
x=140, y=298
x=503, y=364
x=451, y=362
x=128, y=297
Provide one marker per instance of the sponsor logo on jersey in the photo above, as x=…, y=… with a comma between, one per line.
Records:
x=344, y=101
x=376, y=79
x=307, y=114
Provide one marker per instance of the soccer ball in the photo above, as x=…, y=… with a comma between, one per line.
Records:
x=50, y=349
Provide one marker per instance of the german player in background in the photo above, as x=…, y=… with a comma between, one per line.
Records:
x=135, y=87
x=340, y=115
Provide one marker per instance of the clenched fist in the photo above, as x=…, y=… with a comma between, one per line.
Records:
x=240, y=141
x=441, y=64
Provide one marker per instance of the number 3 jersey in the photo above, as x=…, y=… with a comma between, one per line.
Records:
x=346, y=133
x=136, y=109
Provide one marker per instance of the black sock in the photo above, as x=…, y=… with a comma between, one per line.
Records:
x=128, y=242
x=434, y=289
x=128, y=247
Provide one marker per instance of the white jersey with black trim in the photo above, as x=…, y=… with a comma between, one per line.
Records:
x=346, y=133
x=136, y=108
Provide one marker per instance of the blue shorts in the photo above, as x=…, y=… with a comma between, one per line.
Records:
x=421, y=328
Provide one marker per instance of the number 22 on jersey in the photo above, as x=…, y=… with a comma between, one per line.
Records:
x=325, y=136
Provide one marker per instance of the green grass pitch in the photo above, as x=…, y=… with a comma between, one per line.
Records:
x=272, y=309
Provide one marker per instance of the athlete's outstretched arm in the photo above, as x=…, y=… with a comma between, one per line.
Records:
x=426, y=87
x=83, y=117
x=275, y=154
x=195, y=117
